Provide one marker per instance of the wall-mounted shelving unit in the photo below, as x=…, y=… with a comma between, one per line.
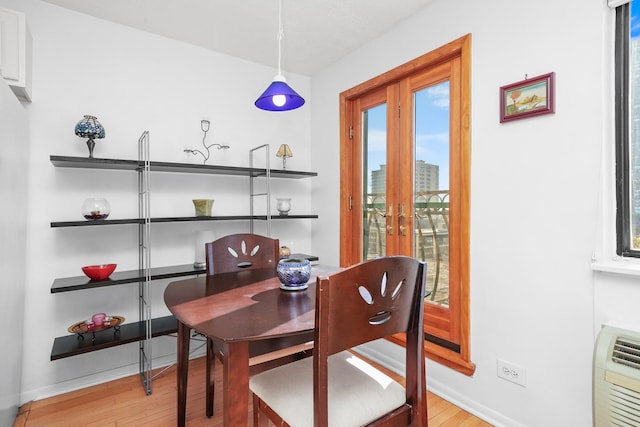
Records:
x=146, y=328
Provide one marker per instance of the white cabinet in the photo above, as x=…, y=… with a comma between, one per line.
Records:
x=15, y=53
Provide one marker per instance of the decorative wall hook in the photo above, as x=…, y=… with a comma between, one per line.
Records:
x=204, y=125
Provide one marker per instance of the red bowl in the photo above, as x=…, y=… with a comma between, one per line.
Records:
x=99, y=272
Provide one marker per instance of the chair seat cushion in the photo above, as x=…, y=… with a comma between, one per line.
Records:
x=358, y=392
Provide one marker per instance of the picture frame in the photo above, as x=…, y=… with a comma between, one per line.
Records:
x=528, y=98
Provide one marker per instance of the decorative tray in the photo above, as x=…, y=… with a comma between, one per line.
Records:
x=85, y=326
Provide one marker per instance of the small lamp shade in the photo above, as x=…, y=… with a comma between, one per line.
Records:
x=90, y=127
x=279, y=96
x=284, y=151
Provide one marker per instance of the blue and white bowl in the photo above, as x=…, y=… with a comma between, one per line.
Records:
x=294, y=274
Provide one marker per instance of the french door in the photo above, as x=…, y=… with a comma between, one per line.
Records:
x=405, y=184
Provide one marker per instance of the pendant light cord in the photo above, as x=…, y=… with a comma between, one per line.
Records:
x=279, y=96
x=280, y=34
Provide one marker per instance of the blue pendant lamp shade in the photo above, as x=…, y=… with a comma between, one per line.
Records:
x=279, y=96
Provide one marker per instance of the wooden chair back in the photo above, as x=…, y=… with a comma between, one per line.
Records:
x=371, y=300
x=242, y=251
x=231, y=253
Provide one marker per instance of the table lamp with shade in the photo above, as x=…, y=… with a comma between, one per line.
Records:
x=284, y=151
x=90, y=127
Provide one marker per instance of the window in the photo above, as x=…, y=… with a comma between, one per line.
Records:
x=627, y=123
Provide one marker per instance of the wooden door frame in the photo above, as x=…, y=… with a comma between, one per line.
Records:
x=459, y=49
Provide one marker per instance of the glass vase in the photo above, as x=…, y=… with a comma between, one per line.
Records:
x=283, y=205
x=95, y=208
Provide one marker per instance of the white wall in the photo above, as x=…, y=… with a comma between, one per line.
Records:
x=134, y=81
x=537, y=184
x=14, y=167
x=534, y=195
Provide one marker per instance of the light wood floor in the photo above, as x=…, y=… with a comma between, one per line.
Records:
x=124, y=403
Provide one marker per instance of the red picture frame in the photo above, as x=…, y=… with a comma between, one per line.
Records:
x=528, y=98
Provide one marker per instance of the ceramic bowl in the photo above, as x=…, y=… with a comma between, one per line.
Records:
x=99, y=272
x=294, y=274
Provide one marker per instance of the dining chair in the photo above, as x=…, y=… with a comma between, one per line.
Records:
x=246, y=251
x=371, y=300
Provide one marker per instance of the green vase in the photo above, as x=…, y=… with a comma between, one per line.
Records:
x=203, y=206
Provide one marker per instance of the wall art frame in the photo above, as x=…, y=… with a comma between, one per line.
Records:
x=528, y=98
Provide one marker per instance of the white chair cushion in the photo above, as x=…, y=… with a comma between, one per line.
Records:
x=358, y=392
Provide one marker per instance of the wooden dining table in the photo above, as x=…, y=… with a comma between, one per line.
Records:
x=237, y=310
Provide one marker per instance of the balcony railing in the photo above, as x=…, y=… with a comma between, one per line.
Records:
x=431, y=236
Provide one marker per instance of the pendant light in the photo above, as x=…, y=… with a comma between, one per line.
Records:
x=279, y=96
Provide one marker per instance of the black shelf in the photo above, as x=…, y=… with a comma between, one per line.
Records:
x=77, y=283
x=85, y=223
x=136, y=165
x=303, y=256
x=71, y=345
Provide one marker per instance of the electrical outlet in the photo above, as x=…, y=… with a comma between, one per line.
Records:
x=511, y=372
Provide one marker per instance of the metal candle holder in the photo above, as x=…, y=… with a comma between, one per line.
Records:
x=204, y=125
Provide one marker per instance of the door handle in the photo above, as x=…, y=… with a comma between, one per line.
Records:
x=390, y=221
x=402, y=228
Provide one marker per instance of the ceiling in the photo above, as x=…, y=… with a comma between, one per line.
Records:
x=316, y=32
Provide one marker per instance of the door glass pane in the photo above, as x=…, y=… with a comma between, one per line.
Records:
x=374, y=153
x=431, y=138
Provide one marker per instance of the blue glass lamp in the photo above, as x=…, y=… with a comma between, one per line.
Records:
x=279, y=96
x=90, y=127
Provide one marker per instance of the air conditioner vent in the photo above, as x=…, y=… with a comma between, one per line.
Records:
x=616, y=378
x=626, y=352
x=625, y=407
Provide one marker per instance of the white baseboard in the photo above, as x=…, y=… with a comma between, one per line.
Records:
x=103, y=377
x=471, y=406
x=391, y=356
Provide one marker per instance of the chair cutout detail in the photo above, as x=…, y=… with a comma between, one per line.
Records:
x=243, y=248
x=368, y=301
x=383, y=315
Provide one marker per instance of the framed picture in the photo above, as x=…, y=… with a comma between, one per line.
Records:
x=527, y=98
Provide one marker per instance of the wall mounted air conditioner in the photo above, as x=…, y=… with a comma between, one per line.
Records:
x=616, y=378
